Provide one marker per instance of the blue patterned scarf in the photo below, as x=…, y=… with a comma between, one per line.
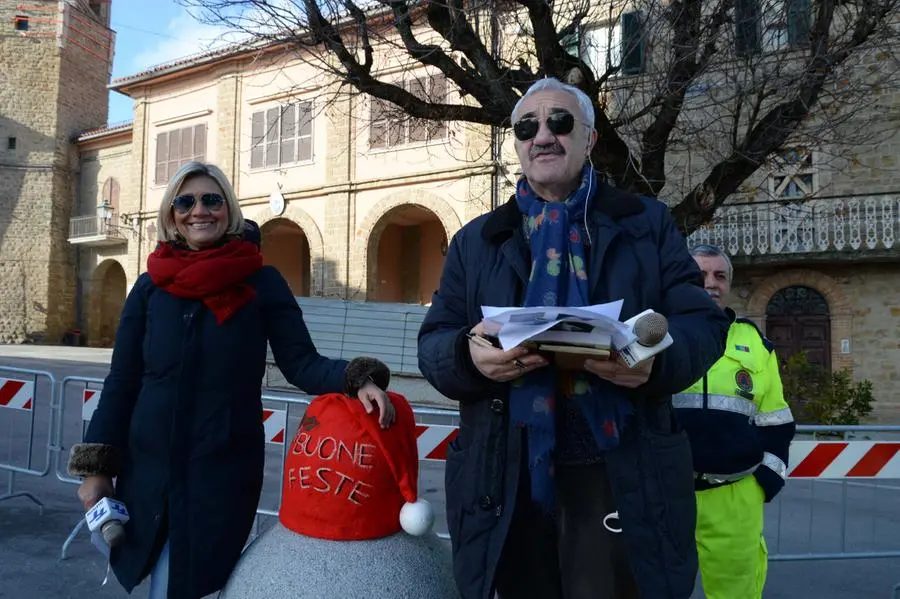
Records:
x=559, y=278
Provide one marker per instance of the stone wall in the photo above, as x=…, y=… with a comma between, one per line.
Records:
x=338, y=282
x=864, y=307
x=50, y=90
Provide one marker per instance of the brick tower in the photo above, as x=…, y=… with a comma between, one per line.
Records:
x=56, y=64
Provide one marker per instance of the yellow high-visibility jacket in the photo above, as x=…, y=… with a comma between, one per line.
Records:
x=736, y=417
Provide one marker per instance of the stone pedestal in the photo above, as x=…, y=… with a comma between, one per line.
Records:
x=282, y=564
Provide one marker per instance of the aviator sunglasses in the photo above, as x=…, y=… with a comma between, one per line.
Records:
x=185, y=203
x=559, y=123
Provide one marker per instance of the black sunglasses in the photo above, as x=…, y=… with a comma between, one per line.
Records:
x=559, y=123
x=211, y=201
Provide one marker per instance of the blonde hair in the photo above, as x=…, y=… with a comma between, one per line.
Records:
x=165, y=221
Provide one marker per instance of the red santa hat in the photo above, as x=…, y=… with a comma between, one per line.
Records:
x=346, y=478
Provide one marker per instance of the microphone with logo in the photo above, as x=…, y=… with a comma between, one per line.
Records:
x=108, y=517
x=651, y=330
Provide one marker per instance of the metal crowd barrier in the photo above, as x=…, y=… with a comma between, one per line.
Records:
x=88, y=396
x=847, y=477
x=282, y=413
x=20, y=397
x=278, y=433
x=827, y=476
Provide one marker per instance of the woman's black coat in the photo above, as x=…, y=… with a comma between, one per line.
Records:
x=181, y=409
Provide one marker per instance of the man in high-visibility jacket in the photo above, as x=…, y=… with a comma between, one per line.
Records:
x=740, y=428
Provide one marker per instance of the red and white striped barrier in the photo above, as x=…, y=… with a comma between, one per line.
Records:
x=16, y=394
x=89, y=399
x=844, y=459
x=274, y=422
x=808, y=459
x=433, y=440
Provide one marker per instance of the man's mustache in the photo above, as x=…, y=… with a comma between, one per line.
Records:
x=714, y=293
x=554, y=148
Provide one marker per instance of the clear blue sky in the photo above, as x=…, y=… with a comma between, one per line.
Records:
x=150, y=33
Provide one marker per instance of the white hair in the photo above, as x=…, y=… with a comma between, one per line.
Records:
x=711, y=251
x=553, y=84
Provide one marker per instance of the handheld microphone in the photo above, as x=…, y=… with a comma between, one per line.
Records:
x=652, y=332
x=109, y=517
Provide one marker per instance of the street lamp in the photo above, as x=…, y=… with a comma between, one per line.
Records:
x=104, y=213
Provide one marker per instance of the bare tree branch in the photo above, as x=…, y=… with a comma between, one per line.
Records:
x=694, y=125
x=687, y=63
x=773, y=130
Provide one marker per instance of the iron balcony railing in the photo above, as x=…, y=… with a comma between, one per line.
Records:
x=813, y=226
x=81, y=227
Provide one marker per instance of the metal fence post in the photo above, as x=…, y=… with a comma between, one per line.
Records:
x=20, y=395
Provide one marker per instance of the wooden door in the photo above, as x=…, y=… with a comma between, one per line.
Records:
x=793, y=334
x=797, y=320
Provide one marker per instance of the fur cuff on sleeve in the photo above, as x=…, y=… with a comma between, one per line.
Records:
x=93, y=459
x=360, y=370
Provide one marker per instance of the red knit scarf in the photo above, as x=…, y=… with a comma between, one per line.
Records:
x=215, y=276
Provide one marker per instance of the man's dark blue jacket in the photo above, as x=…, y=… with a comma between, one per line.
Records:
x=639, y=256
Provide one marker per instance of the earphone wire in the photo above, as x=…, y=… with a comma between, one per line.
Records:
x=587, y=202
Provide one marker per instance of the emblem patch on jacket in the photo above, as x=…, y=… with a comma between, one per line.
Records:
x=743, y=348
x=743, y=380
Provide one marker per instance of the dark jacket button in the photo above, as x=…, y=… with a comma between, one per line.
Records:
x=485, y=502
x=497, y=406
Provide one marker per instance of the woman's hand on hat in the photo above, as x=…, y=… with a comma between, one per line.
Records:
x=372, y=395
x=617, y=372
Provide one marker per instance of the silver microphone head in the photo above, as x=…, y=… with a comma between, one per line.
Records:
x=113, y=533
x=651, y=329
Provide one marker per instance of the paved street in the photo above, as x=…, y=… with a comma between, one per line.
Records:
x=30, y=542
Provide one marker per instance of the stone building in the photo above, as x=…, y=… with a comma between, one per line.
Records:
x=56, y=58
x=358, y=203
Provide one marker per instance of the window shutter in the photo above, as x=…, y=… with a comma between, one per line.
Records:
x=418, y=128
x=398, y=121
x=200, y=142
x=104, y=195
x=746, y=27
x=110, y=193
x=187, y=146
x=632, y=44
x=272, y=115
x=304, y=131
x=378, y=123
x=799, y=18
x=438, y=129
x=288, y=133
x=174, y=153
x=571, y=43
x=114, y=194
x=257, y=134
x=162, y=155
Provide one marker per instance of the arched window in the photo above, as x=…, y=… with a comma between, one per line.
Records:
x=797, y=300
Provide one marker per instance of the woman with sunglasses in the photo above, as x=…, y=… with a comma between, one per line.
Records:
x=179, y=423
x=569, y=478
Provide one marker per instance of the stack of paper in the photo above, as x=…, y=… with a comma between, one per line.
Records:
x=588, y=329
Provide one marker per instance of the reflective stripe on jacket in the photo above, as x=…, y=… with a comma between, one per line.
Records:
x=736, y=416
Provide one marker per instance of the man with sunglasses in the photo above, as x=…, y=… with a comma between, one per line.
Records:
x=740, y=429
x=569, y=478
